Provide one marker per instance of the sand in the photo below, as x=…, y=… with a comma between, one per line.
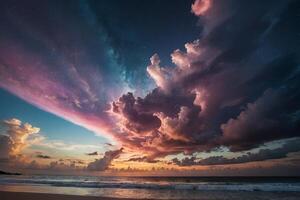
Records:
x=43, y=196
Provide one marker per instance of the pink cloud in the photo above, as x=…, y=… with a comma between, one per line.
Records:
x=64, y=92
x=199, y=7
x=217, y=94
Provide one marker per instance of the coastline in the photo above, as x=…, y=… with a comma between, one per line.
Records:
x=228, y=195
x=5, y=195
x=126, y=188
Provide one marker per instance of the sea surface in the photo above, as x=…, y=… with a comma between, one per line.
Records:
x=202, y=188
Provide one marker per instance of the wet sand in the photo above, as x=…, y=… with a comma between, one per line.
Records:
x=4, y=195
x=43, y=196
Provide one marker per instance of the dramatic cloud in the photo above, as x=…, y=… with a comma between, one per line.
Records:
x=103, y=163
x=261, y=155
x=236, y=86
x=70, y=73
x=16, y=137
x=268, y=118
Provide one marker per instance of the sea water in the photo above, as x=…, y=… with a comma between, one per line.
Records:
x=202, y=188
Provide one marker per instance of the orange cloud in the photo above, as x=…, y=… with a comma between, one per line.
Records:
x=16, y=137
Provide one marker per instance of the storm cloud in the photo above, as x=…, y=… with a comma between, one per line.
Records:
x=236, y=86
x=263, y=154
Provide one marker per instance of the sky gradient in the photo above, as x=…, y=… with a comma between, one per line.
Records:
x=201, y=87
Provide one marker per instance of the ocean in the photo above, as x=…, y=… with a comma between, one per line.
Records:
x=202, y=188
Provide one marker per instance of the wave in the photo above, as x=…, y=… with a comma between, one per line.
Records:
x=205, y=186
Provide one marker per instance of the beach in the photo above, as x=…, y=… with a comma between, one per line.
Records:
x=37, y=187
x=225, y=196
x=42, y=196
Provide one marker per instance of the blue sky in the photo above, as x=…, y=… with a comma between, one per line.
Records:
x=53, y=127
x=173, y=80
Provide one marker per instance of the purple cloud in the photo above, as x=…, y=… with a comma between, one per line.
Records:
x=103, y=163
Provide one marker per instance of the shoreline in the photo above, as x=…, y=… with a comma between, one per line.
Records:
x=7, y=195
x=229, y=195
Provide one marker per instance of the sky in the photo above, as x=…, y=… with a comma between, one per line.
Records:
x=200, y=87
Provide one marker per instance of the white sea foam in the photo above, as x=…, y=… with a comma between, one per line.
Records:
x=156, y=185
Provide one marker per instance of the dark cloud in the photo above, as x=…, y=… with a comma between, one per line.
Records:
x=270, y=117
x=81, y=57
x=72, y=161
x=263, y=154
x=5, y=146
x=103, y=163
x=142, y=159
x=236, y=86
x=92, y=153
x=43, y=156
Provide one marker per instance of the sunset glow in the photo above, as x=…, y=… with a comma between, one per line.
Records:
x=158, y=88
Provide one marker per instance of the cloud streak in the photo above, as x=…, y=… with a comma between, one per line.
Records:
x=262, y=155
x=60, y=71
x=95, y=153
x=43, y=156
